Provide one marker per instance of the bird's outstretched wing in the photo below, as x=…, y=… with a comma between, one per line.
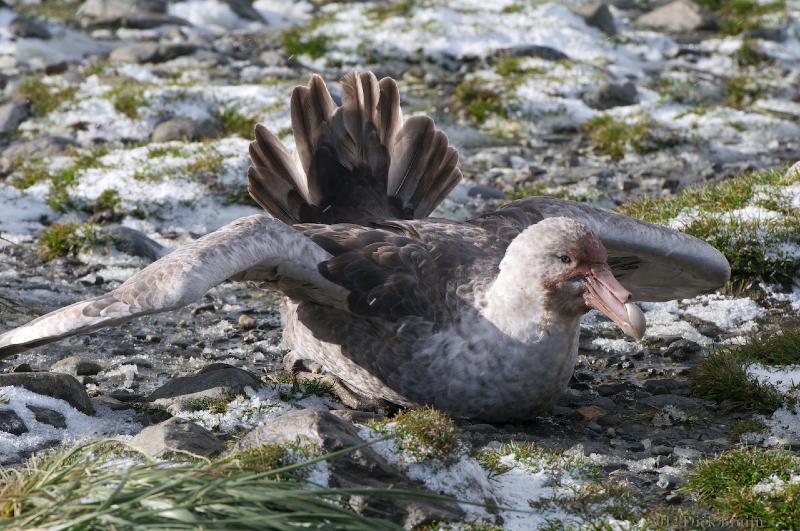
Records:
x=251, y=248
x=654, y=263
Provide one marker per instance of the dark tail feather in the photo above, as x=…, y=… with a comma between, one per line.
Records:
x=359, y=161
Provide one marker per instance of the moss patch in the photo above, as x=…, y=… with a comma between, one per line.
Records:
x=614, y=138
x=742, y=91
x=477, y=101
x=44, y=98
x=67, y=239
x=737, y=16
x=127, y=98
x=423, y=433
x=729, y=482
x=234, y=123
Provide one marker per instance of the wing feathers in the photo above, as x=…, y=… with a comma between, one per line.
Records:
x=279, y=252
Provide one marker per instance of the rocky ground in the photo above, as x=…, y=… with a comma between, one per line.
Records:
x=127, y=118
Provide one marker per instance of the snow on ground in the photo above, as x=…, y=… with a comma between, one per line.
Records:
x=732, y=315
x=22, y=215
x=80, y=427
x=784, y=424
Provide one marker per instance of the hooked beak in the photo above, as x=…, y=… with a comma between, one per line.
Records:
x=606, y=294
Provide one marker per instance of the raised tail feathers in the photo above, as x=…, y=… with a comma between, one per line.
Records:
x=358, y=162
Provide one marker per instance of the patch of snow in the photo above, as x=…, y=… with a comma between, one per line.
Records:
x=211, y=15
x=732, y=315
x=783, y=378
x=21, y=216
x=279, y=13
x=773, y=485
x=666, y=319
x=80, y=427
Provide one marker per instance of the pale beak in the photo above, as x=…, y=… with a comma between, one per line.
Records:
x=606, y=294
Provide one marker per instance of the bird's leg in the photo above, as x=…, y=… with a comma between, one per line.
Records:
x=296, y=365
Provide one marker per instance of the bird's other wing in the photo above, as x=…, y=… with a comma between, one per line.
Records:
x=389, y=272
x=653, y=262
x=251, y=248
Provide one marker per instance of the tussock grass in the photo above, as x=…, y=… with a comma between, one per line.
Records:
x=747, y=244
x=722, y=375
x=742, y=91
x=106, y=485
x=107, y=200
x=45, y=98
x=744, y=426
x=726, y=483
x=423, y=433
x=614, y=138
x=67, y=239
x=214, y=405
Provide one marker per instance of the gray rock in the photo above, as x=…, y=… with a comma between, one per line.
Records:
x=184, y=129
x=43, y=146
x=678, y=16
x=23, y=26
x=52, y=384
x=215, y=384
x=135, y=243
x=600, y=17
x=108, y=9
x=245, y=9
x=486, y=192
x=678, y=401
x=11, y=423
x=610, y=95
x=361, y=468
x=176, y=434
x=77, y=366
x=48, y=416
x=247, y=322
x=150, y=52
x=532, y=50
x=11, y=115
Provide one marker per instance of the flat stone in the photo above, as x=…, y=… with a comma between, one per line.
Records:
x=678, y=401
x=48, y=416
x=135, y=243
x=150, y=52
x=609, y=95
x=678, y=16
x=142, y=21
x=77, y=366
x=532, y=50
x=54, y=385
x=589, y=413
x=28, y=27
x=214, y=384
x=362, y=468
x=486, y=192
x=11, y=423
x=184, y=129
x=42, y=146
x=105, y=9
x=177, y=434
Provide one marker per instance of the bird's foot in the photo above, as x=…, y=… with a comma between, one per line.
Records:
x=306, y=371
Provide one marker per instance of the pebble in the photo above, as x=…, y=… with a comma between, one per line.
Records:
x=247, y=322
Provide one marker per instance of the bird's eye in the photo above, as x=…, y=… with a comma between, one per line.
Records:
x=566, y=259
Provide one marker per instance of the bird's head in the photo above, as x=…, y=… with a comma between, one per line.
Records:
x=570, y=266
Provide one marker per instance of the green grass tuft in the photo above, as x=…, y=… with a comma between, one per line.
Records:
x=478, y=102
x=213, y=405
x=742, y=91
x=67, y=239
x=127, y=98
x=234, y=123
x=737, y=16
x=44, y=98
x=726, y=483
x=298, y=42
x=743, y=426
x=722, y=376
x=423, y=433
x=107, y=200
x=80, y=488
x=614, y=138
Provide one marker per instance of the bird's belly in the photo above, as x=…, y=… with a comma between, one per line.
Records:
x=464, y=374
